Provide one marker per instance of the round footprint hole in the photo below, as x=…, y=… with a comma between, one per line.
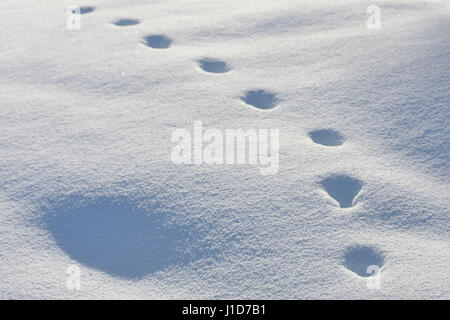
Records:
x=365, y=261
x=326, y=137
x=157, y=41
x=126, y=22
x=213, y=65
x=86, y=10
x=342, y=188
x=260, y=99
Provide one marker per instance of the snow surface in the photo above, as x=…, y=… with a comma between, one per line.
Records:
x=86, y=118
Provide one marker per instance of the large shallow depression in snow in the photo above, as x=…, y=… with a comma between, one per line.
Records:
x=119, y=238
x=89, y=103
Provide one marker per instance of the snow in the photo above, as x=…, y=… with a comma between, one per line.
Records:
x=86, y=178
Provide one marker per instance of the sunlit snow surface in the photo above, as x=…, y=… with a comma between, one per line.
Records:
x=86, y=118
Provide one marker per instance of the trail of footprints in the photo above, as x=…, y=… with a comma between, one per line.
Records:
x=340, y=187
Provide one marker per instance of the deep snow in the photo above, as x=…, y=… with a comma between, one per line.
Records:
x=86, y=179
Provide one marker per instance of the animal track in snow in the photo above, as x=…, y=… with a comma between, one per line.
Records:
x=157, y=41
x=126, y=22
x=119, y=237
x=213, y=65
x=342, y=188
x=327, y=137
x=260, y=99
x=85, y=10
x=359, y=258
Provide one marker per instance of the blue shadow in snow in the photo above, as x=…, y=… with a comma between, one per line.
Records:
x=126, y=22
x=342, y=188
x=327, y=137
x=260, y=99
x=157, y=41
x=359, y=258
x=213, y=65
x=119, y=238
x=85, y=10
